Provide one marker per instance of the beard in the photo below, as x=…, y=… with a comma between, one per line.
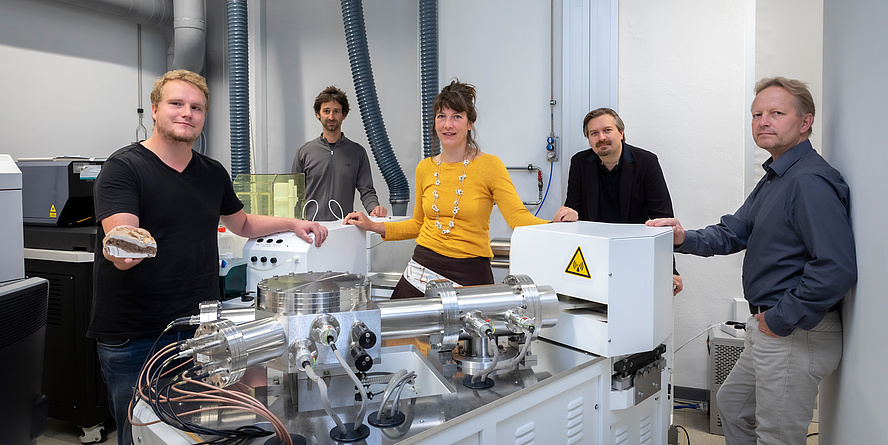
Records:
x=178, y=136
x=332, y=125
x=604, y=147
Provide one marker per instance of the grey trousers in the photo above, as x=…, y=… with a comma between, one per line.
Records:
x=768, y=398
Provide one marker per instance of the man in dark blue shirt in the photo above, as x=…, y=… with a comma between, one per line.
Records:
x=800, y=261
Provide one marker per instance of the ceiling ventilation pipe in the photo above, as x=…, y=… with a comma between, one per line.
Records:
x=188, y=40
x=155, y=13
x=188, y=49
x=428, y=70
x=239, y=87
x=365, y=90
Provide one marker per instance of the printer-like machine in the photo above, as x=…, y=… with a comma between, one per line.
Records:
x=59, y=243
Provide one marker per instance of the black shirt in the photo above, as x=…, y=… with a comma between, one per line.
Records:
x=181, y=211
x=609, y=198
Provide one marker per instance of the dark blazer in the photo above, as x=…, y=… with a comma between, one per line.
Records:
x=643, y=191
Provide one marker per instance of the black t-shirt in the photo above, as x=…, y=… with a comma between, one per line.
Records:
x=609, y=196
x=181, y=211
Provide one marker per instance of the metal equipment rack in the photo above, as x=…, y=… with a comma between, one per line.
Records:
x=724, y=350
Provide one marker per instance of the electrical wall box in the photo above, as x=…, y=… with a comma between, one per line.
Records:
x=284, y=253
x=614, y=282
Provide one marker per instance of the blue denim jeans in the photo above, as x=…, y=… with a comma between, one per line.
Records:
x=121, y=361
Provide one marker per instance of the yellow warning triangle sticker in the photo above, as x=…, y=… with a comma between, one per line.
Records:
x=577, y=265
x=52, y=211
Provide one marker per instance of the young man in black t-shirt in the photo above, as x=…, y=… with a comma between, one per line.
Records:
x=179, y=196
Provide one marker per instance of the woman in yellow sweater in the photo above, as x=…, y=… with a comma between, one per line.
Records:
x=455, y=193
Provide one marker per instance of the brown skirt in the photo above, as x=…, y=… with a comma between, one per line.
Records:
x=463, y=271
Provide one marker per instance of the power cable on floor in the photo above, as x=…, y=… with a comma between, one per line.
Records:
x=686, y=433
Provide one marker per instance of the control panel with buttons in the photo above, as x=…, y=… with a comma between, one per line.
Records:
x=284, y=253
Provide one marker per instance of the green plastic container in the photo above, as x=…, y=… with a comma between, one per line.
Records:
x=271, y=194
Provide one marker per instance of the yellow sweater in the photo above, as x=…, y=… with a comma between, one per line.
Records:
x=487, y=181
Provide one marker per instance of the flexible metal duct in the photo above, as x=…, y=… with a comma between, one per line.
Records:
x=238, y=87
x=428, y=70
x=365, y=89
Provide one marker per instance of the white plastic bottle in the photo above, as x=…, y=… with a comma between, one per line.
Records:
x=226, y=243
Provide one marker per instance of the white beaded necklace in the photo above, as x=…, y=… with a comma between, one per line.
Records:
x=459, y=193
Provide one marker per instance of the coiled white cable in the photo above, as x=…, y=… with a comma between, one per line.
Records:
x=317, y=209
x=332, y=212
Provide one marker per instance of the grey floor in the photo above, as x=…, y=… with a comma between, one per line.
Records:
x=697, y=424
x=695, y=421
x=61, y=433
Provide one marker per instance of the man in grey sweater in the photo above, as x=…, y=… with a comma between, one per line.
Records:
x=335, y=166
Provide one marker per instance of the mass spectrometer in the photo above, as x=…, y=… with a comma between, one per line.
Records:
x=614, y=284
x=482, y=369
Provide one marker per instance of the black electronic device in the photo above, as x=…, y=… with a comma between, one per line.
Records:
x=72, y=379
x=59, y=239
x=59, y=191
x=23, y=306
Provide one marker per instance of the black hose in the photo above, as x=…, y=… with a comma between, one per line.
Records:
x=428, y=71
x=239, y=87
x=365, y=90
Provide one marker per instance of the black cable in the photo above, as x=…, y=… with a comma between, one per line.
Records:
x=168, y=415
x=153, y=350
x=736, y=324
x=165, y=411
x=371, y=394
x=813, y=434
x=153, y=380
x=686, y=433
x=238, y=435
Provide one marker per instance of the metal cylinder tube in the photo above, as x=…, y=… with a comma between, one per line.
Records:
x=263, y=340
x=410, y=317
x=238, y=314
x=241, y=346
x=501, y=247
x=313, y=293
x=438, y=312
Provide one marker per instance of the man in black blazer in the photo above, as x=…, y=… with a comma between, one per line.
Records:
x=616, y=182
